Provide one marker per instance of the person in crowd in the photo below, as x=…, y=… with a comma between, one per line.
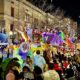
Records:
x=34, y=66
x=12, y=68
x=16, y=72
x=29, y=62
x=39, y=60
x=57, y=65
x=24, y=35
x=26, y=74
x=45, y=56
x=58, y=68
x=78, y=68
x=3, y=31
x=69, y=73
x=51, y=74
x=36, y=35
x=38, y=73
x=64, y=64
x=69, y=63
x=10, y=75
x=29, y=30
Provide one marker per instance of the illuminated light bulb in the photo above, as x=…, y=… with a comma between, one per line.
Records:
x=10, y=33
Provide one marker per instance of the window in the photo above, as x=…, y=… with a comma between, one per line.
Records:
x=12, y=11
x=35, y=22
x=42, y=23
x=12, y=2
x=11, y=27
x=27, y=18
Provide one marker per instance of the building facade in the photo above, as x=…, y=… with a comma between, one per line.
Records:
x=16, y=13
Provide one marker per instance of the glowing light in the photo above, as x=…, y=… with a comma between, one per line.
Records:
x=10, y=33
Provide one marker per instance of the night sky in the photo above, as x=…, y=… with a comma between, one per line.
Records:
x=71, y=7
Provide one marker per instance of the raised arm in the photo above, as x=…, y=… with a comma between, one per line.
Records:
x=19, y=31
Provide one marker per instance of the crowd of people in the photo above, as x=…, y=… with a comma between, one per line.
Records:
x=40, y=54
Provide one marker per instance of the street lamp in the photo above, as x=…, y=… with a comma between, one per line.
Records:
x=10, y=34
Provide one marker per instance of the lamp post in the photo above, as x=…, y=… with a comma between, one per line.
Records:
x=10, y=33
